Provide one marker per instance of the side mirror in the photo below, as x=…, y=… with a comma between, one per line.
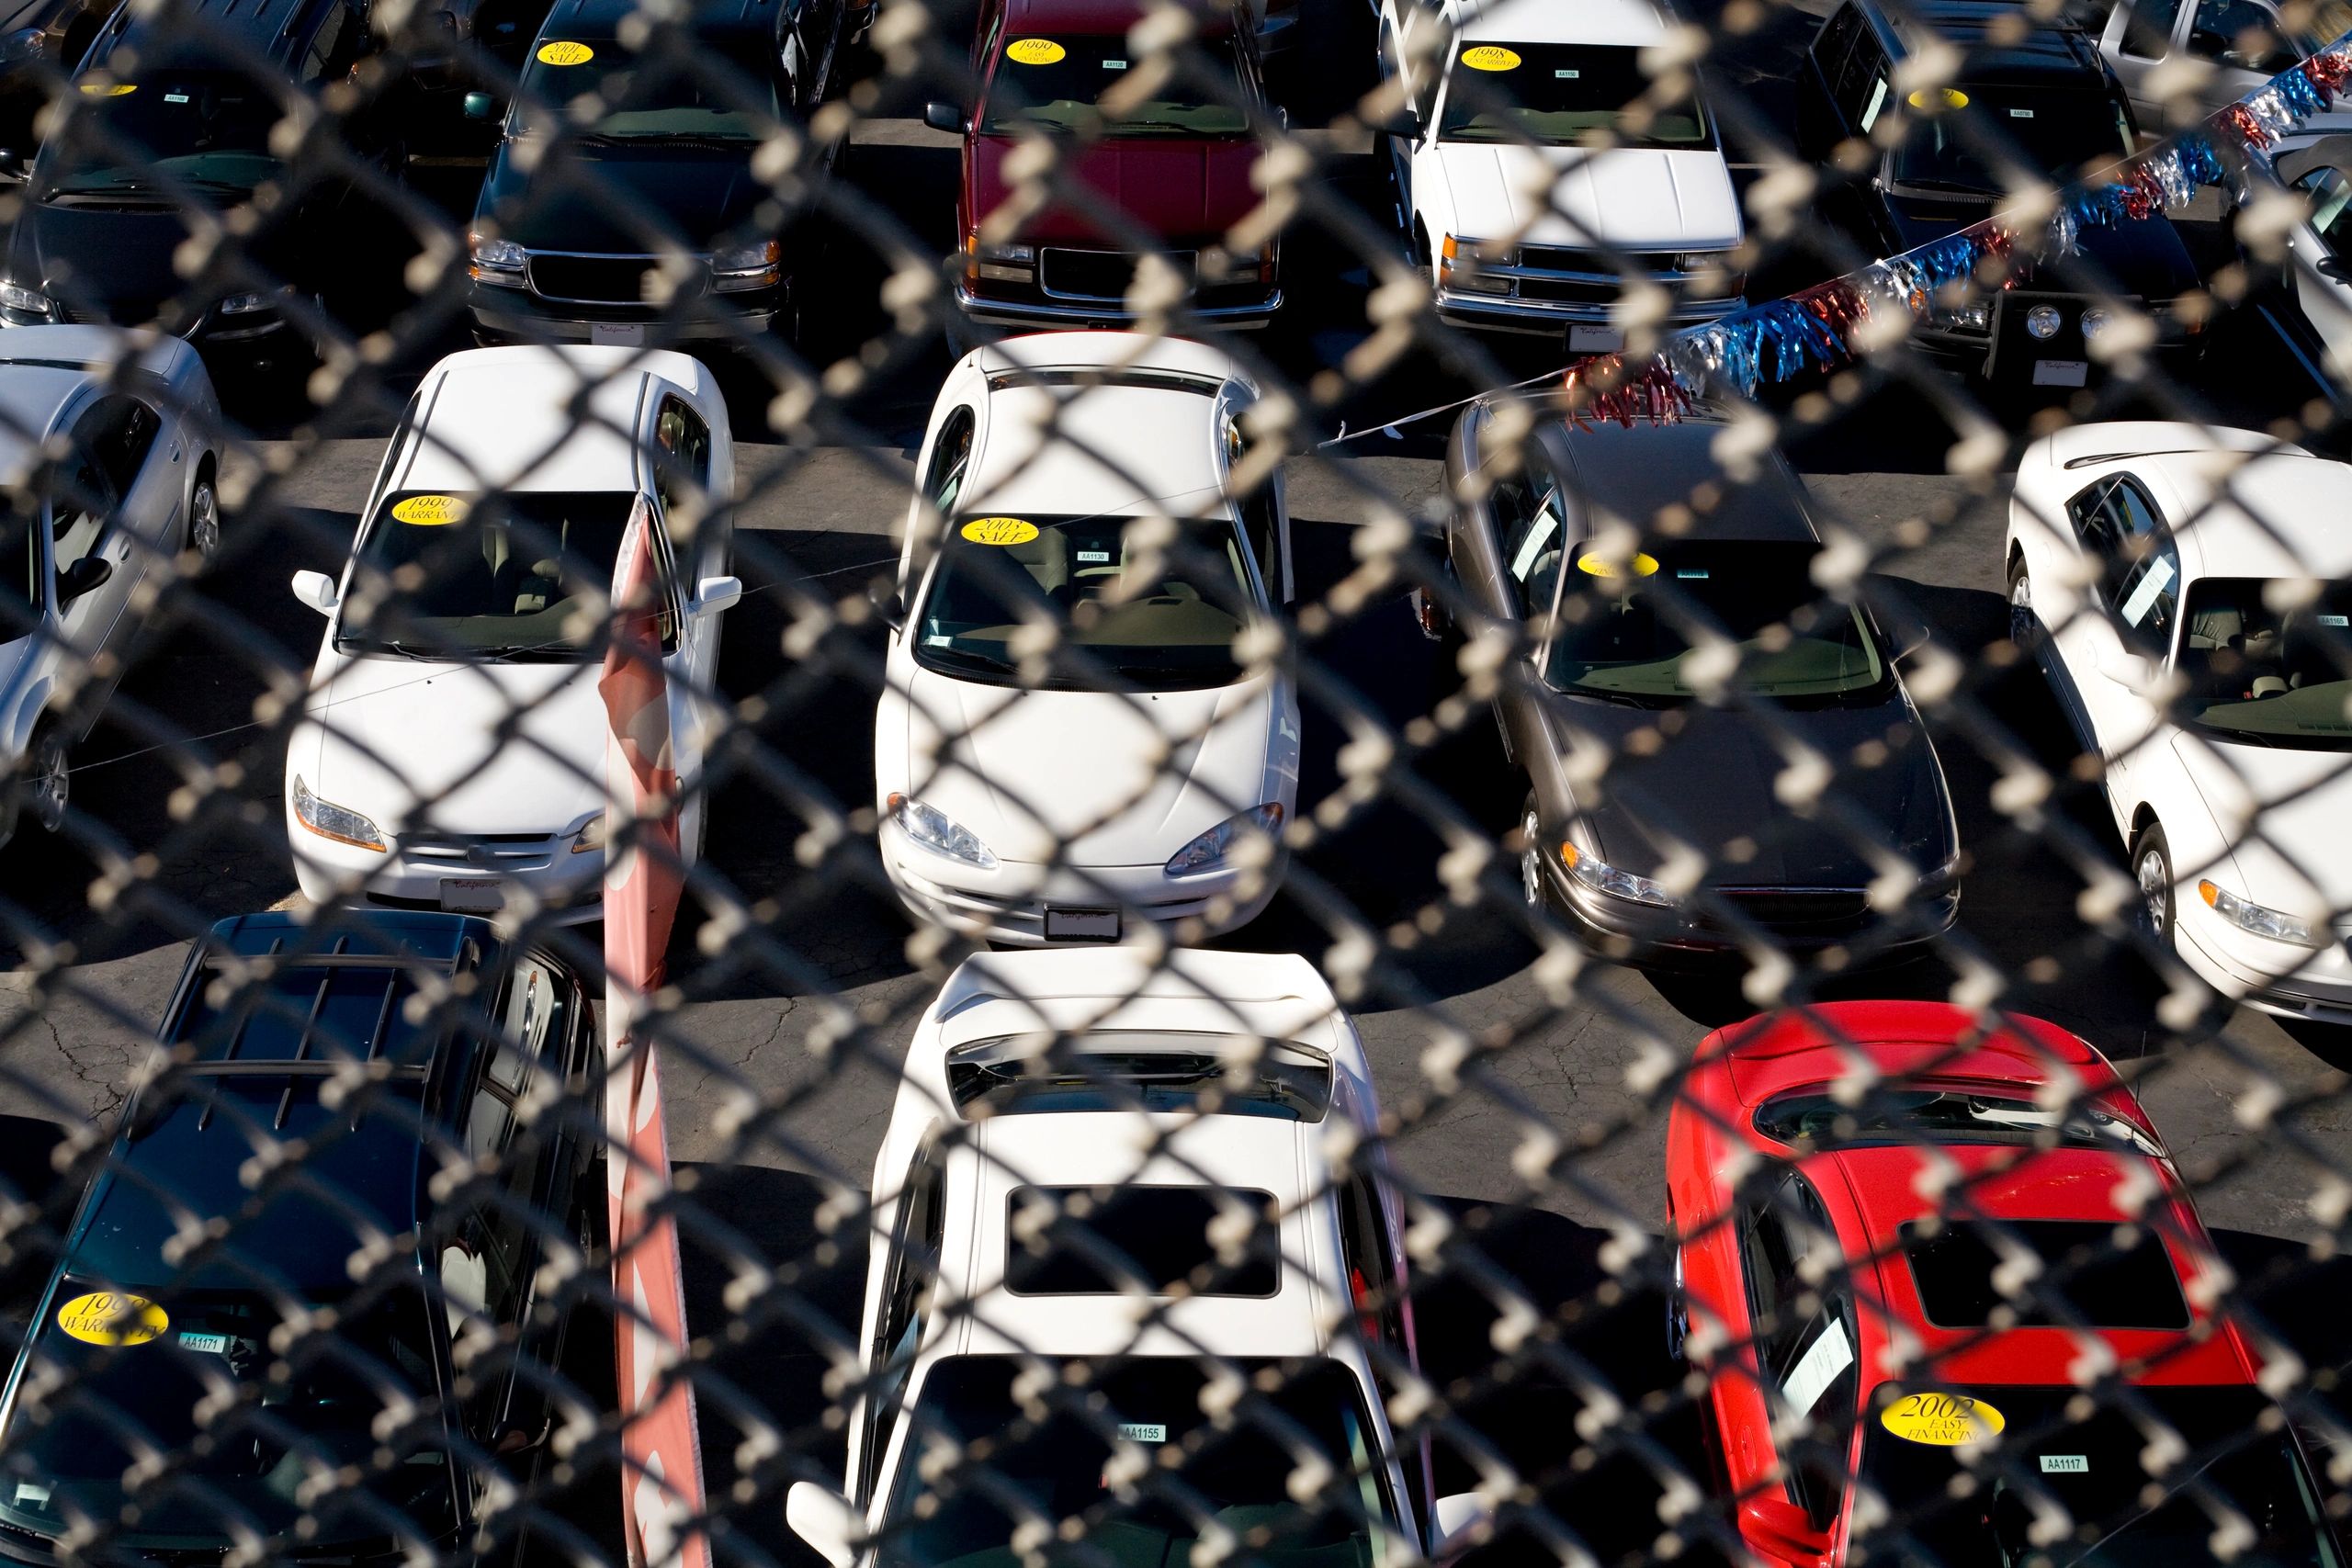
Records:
x=2134, y=670
x=715, y=595
x=315, y=589
x=822, y=1518
x=892, y=608
x=1781, y=1529
x=481, y=105
x=944, y=116
x=1459, y=1522
x=1404, y=123
x=12, y=171
x=2335, y=267
x=82, y=577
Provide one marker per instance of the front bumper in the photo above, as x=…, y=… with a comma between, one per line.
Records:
x=2269, y=977
x=1796, y=921
x=1500, y=312
x=257, y=332
x=521, y=869
x=1006, y=906
x=1103, y=314
x=518, y=313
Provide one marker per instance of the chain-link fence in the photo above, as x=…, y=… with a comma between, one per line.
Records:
x=1137, y=785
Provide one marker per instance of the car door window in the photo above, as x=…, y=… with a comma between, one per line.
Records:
x=2147, y=27
x=1531, y=534
x=683, y=438
x=1383, y=1314
x=1862, y=87
x=1834, y=46
x=917, y=1232
x=951, y=454
x=334, y=48
x=82, y=499
x=2330, y=191
x=1804, y=1329
x=122, y=433
x=1262, y=524
x=2240, y=33
x=2139, y=561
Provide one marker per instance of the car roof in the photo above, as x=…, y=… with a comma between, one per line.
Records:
x=602, y=19
x=510, y=418
x=1989, y=35
x=1630, y=22
x=1637, y=472
x=1102, y=16
x=1059, y=440
x=2275, y=515
x=267, y=24
x=273, y=1012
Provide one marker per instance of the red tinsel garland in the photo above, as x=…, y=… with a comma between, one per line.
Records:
x=1841, y=307
x=2144, y=194
x=2251, y=133
x=2328, y=71
x=1650, y=393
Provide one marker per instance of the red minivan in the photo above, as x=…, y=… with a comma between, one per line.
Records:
x=1166, y=173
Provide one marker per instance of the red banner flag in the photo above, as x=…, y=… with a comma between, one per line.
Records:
x=662, y=1482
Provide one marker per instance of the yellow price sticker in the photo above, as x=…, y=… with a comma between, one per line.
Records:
x=431, y=511
x=1941, y=1420
x=110, y=1317
x=1491, y=57
x=1601, y=565
x=108, y=89
x=1033, y=51
x=1938, y=98
x=564, y=52
x=999, y=531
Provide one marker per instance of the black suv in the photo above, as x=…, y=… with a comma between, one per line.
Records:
x=569, y=240
x=175, y=109
x=399, y=1065
x=2036, y=94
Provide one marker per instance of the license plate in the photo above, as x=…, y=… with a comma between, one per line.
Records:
x=473, y=894
x=1595, y=340
x=1082, y=925
x=2062, y=372
x=616, y=334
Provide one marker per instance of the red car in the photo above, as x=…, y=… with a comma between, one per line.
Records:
x=1167, y=173
x=1892, y=1302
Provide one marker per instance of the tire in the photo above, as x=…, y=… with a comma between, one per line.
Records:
x=204, y=517
x=2025, y=630
x=44, y=785
x=1532, y=885
x=2152, y=869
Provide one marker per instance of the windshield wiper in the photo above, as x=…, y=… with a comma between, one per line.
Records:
x=398, y=650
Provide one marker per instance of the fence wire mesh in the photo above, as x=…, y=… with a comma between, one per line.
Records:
x=1604, y=822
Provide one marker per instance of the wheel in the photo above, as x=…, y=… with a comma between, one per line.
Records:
x=47, y=779
x=1677, y=1312
x=1530, y=857
x=2025, y=630
x=204, y=518
x=2152, y=869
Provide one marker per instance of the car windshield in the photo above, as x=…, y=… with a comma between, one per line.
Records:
x=1203, y=1480
x=1883, y=1116
x=2263, y=676
x=520, y=575
x=1562, y=94
x=2061, y=134
x=1152, y=616
x=1625, y=629
x=2083, y=1274
x=196, y=124
x=615, y=95
x=151, y=1364
x=1231, y=1075
x=1061, y=82
x=1978, y=1505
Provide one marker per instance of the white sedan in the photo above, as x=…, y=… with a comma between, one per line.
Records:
x=451, y=753
x=129, y=489
x=1083, y=727
x=2184, y=590
x=2312, y=303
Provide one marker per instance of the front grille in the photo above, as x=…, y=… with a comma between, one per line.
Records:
x=1099, y=275
x=1553, y=258
x=1800, y=909
x=1569, y=290
x=487, y=850
x=603, y=280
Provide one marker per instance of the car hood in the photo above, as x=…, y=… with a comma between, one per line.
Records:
x=2302, y=800
x=114, y=260
x=1179, y=190
x=1033, y=773
x=383, y=734
x=696, y=199
x=1713, y=782
x=2147, y=259
x=1629, y=199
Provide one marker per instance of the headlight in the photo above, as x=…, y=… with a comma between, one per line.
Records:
x=2249, y=916
x=1602, y=878
x=1466, y=252
x=590, y=839
x=1000, y=263
x=746, y=266
x=2042, y=321
x=937, y=832
x=1209, y=849
x=497, y=261
x=246, y=304
x=25, y=301
x=1977, y=318
x=329, y=820
x=2095, y=322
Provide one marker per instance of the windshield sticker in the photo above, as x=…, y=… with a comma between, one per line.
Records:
x=1599, y=566
x=110, y=1317
x=1829, y=1355
x=1941, y=1420
x=1940, y=99
x=2336, y=620
x=1114, y=65
x=1565, y=75
x=1086, y=555
x=176, y=98
x=431, y=511
x=2143, y=598
x=212, y=1344
x=999, y=531
x=1143, y=1432
x=562, y=52
x=2020, y=114
x=32, y=1492
x=1033, y=51
x=2065, y=1464
x=1692, y=574
x=108, y=89
x=1490, y=57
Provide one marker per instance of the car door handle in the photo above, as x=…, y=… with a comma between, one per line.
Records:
x=175, y=451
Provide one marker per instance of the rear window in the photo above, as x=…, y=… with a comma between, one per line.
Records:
x=1095, y=1241
x=2103, y=1276
x=1232, y=1075
x=1816, y=1117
